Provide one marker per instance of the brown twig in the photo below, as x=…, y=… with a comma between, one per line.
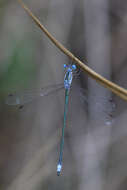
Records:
x=119, y=91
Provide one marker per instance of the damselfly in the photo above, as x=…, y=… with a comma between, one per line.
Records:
x=22, y=98
x=27, y=96
x=67, y=84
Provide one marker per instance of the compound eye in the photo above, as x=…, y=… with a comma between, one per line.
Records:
x=65, y=66
x=74, y=67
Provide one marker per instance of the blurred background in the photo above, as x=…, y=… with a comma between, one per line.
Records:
x=96, y=135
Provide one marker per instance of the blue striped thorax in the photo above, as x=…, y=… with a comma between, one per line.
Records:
x=68, y=75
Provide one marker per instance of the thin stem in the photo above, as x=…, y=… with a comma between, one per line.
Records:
x=119, y=91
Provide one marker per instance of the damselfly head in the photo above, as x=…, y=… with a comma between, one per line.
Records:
x=70, y=68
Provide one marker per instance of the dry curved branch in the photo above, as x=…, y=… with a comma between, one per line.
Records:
x=119, y=91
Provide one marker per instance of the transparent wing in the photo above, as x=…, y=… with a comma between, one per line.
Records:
x=108, y=102
x=105, y=104
x=29, y=95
